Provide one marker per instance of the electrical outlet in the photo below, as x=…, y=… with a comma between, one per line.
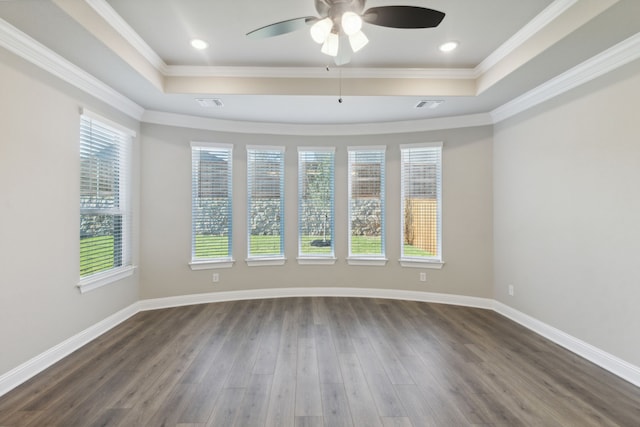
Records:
x=216, y=277
x=511, y=290
x=423, y=277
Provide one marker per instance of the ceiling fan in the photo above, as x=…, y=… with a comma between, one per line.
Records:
x=339, y=25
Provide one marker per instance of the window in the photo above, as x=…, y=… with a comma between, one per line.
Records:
x=211, y=205
x=265, y=188
x=105, y=190
x=366, y=205
x=315, y=204
x=421, y=204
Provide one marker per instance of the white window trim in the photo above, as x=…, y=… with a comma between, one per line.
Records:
x=211, y=264
x=203, y=144
x=110, y=123
x=367, y=260
x=99, y=280
x=257, y=260
x=373, y=260
x=317, y=260
x=414, y=262
x=265, y=261
x=421, y=263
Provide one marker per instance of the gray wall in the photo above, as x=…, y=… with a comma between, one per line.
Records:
x=567, y=213
x=166, y=216
x=559, y=182
x=40, y=305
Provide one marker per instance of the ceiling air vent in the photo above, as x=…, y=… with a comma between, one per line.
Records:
x=210, y=102
x=430, y=103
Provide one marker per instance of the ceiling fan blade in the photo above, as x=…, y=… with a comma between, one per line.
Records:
x=403, y=17
x=282, y=27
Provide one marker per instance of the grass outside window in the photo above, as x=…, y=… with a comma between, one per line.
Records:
x=216, y=246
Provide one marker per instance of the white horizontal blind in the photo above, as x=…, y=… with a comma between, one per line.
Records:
x=211, y=209
x=366, y=201
x=105, y=215
x=265, y=188
x=316, y=171
x=421, y=178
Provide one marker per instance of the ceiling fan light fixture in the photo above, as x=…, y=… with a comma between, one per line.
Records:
x=351, y=23
x=358, y=41
x=331, y=45
x=321, y=30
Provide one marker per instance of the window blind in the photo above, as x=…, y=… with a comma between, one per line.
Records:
x=366, y=201
x=211, y=209
x=316, y=201
x=105, y=216
x=421, y=177
x=265, y=204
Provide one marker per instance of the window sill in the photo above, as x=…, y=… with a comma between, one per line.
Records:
x=211, y=264
x=316, y=260
x=265, y=261
x=375, y=261
x=421, y=263
x=99, y=280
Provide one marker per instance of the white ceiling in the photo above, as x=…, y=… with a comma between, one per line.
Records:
x=141, y=49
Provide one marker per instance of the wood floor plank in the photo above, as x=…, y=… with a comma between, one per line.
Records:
x=253, y=410
x=308, y=397
x=282, y=400
x=217, y=368
x=328, y=366
x=226, y=408
x=295, y=362
x=396, y=422
x=358, y=393
x=309, y=422
x=336, y=411
x=387, y=402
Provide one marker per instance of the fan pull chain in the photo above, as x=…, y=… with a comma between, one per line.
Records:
x=339, y=83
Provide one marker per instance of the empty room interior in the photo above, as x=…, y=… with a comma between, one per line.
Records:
x=319, y=213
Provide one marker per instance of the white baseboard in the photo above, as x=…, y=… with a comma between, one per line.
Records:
x=29, y=369
x=607, y=361
x=181, y=300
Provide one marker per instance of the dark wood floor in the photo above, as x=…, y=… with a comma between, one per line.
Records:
x=321, y=362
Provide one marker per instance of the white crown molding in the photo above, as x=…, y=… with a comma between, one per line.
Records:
x=544, y=18
x=107, y=13
x=320, y=72
x=29, y=369
x=605, y=62
x=205, y=123
x=29, y=49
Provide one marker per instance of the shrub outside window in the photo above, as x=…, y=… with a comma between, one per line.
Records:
x=211, y=210
x=366, y=178
x=105, y=201
x=265, y=201
x=316, y=204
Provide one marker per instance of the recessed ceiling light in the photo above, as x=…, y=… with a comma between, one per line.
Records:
x=199, y=44
x=448, y=46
